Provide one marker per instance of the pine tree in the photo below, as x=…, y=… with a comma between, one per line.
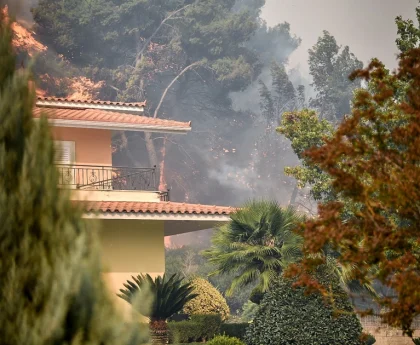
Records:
x=51, y=290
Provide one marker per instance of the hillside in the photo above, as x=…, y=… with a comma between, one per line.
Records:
x=49, y=82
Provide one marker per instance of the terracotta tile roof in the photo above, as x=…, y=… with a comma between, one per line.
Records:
x=109, y=117
x=78, y=101
x=154, y=207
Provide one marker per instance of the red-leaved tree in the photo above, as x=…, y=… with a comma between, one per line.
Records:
x=374, y=160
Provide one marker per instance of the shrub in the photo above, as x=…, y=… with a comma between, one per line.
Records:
x=248, y=311
x=416, y=341
x=368, y=339
x=209, y=325
x=225, y=340
x=236, y=330
x=289, y=316
x=184, y=332
x=199, y=328
x=208, y=301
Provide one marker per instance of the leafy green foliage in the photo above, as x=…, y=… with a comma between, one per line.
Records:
x=184, y=332
x=305, y=130
x=209, y=324
x=189, y=263
x=169, y=295
x=282, y=95
x=416, y=341
x=257, y=243
x=368, y=339
x=225, y=340
x=288, y=315
x=248, y=311
x=199, y=328
x=330, y=68
x=130, y=42
x=408, y=33
x=236, y=330
x=51, y=291
x=208, y=300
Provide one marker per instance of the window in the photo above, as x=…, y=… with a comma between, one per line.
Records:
x=64, y=157
x=64, y=152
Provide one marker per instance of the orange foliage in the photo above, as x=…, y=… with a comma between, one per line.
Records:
x=374, y=159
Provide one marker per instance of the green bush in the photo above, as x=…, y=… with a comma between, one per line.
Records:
x=249, y=310
x=416, y=341
x=199, y=328
x=236, y=330
x=184, y=332
x=209, y=325
x=208, y=301
x=225, y=340
x=289, y=316
x=368, y=339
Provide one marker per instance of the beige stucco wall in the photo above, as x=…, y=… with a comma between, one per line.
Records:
x=130, y=247
x=389, y=336
x=93, y=146
x=115, y=195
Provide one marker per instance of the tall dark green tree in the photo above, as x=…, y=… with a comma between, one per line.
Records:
x=330, y=67
x=51, y=291
x=281, y=97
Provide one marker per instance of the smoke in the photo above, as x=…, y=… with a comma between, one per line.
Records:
x=21, y=9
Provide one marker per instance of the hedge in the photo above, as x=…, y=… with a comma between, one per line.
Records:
x=199, y=328
x=184, y=332
x=225, y=340
x=236, y=330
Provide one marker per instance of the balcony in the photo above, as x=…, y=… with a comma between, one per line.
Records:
x=108, y=178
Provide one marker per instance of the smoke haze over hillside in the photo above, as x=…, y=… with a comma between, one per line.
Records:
x=367, y=26
x=20, y=8
x=233, y=153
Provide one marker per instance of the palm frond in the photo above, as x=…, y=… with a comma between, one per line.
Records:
x=256, y=244
x=169, y=295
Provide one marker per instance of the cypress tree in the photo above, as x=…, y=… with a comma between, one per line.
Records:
x=51, y=288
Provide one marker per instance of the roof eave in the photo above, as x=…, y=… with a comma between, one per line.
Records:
x=158, y=216
x=86, y=105
x=118, y=126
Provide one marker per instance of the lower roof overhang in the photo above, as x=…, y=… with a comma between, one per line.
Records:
x=174, y=223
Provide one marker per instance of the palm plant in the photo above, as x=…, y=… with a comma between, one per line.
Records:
x=168, y=298
x=256, y=245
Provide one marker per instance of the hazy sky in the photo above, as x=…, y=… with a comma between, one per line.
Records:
x=366, y=26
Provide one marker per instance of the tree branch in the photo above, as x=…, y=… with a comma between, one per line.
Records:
x=171, y=83
x=146, y=44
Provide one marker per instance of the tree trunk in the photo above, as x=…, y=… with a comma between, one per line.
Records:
x=151, y=149
x=294, y=194
x=159, y=332
x=162, y=181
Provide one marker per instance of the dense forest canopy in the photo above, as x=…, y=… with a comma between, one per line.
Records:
x=190, y=59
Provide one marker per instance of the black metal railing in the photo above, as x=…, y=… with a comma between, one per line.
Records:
x=164, y=196
x=91, y=177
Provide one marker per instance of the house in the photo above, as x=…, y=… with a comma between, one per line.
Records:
x=134, y=216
